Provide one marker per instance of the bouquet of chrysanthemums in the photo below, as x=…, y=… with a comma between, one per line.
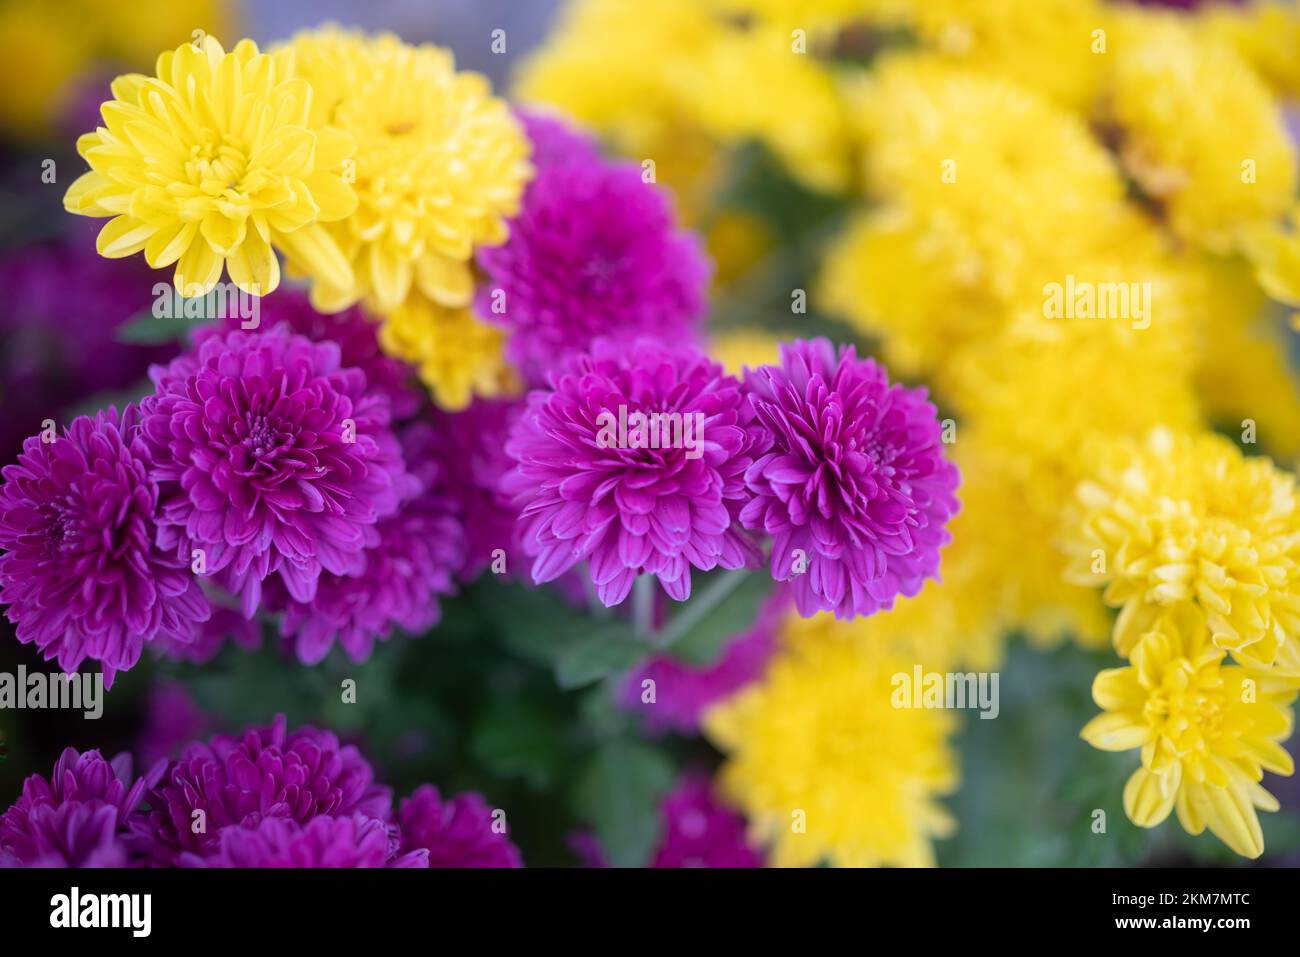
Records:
x=667, y=461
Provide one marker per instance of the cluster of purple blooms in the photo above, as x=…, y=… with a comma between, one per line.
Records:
x=269, y=797
x=295, y=470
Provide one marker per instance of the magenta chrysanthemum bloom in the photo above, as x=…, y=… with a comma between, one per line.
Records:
x=418, y=552
x=589, y=490
x=81, y=573
x=553, y=140
x=472, y=449
x=854, y=489
x=456, y=833
x=683, y=692
x=80, y=817
x=265, y=772
x=356, y=336
x=273, y=458
x=697, y=831
x=356, y=841
x=593, y=252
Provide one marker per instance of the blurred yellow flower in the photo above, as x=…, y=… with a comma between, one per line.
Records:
x=60, y=45
x=440, y=165
x=1207, y=731
x=823, y=764
x=456, y=355
x=1187, y=520
x=973, y=222
x=1201, y=131
x=211, y=163
x=678, y=86
x=1056, y=47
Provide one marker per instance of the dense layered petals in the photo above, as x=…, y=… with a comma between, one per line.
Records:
x=633, y=462
x=854, y=487
x=81, y=573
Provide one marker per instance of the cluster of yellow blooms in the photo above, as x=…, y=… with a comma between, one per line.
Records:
x=370, y=164
x=1078, y=221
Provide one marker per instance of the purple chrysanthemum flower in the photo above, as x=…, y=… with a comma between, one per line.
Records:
x=593, y=252
x=356, y=335
x=419, y=550
x=588, y=489
x=265, y=772
x=472, y=451
x=81, y=574
x=456, y=832
x=356, y=841
x=694, y=831
x=80, y=817
x=854, y=489
x=553, y=140
x=683, y=692
x=697, y=831
x=273, y=457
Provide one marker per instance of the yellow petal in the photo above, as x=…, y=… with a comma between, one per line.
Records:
x=390, y=276
x=222, y=233
x=1148, y=798
x=316, y=252
x=198, y=269
x=168, y=243
x=447, y=282
x=253, y=266
x=1117, y=689
x=1116, y=731
x=122, y=236
x=1232, y=820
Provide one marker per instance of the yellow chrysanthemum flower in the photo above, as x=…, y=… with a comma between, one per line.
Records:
x=823, y=764
x=456, y=355
x=1267, y=34
x=61, y=45
x=974, y=222
x=1275, y=252
x=1054, y=46
x=1244, y=376
x=1188, y=520
x=1207, y=731
x=1202, y=132
x=678, y=86
x=212, y=163
x=440, y=165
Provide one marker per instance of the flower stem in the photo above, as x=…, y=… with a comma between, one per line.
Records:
x=643, y=606
x=699, y=607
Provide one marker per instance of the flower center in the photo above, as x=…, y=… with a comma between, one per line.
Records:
x=262, y=441
x=215, y=163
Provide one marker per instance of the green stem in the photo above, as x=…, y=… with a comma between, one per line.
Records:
x=699, y=607
x=643, y=606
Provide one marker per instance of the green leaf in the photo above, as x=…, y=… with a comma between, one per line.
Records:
x=603, y=652
x=618, y=794
x=520, y=740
